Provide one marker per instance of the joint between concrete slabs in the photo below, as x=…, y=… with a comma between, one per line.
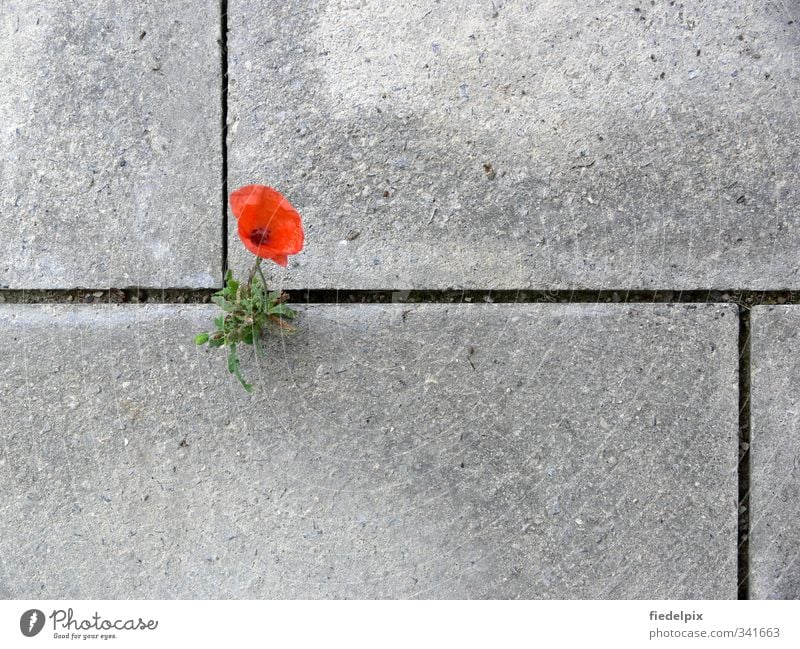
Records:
x=176, y=295
x=223, y=53
x=743, y=467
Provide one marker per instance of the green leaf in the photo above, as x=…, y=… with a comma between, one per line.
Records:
x=281, y=310
x=219, y=322
x=257, y=340
x=259, y=296
x=233, y=368
x=222, y=303
x=231, y=286
x=201, y=339
x=248, y=336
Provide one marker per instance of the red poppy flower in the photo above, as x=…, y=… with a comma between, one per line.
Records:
x=268, y=224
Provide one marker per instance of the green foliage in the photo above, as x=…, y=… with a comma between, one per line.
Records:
x=247, y=310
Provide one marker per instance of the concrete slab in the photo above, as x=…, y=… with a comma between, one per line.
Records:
x=111, y=166
x=504, y=451
x=775, y=453
x=521, y=144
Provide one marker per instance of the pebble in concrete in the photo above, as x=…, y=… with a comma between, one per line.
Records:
x=775, y=464
x=462, y=451
x=523, y=144
x=111, y=161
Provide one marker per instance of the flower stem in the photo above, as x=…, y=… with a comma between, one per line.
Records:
x=260, y=272
x=256, y=267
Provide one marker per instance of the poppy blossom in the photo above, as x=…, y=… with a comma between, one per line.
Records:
x=269, y=226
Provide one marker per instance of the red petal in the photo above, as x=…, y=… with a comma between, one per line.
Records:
x=254, y=196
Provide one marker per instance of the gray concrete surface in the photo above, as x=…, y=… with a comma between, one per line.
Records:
x=775, y=464
x=540, y=451
x=110, y=161
x=519, y=144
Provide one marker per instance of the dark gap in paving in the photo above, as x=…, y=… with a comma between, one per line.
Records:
x=447, y=296
x=744, y=455
x=223, y=56
x=588, y=296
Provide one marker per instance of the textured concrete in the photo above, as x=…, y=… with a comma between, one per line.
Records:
x=538, y=451
x=775, y=464
x=110, y=161
x=500, y=144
